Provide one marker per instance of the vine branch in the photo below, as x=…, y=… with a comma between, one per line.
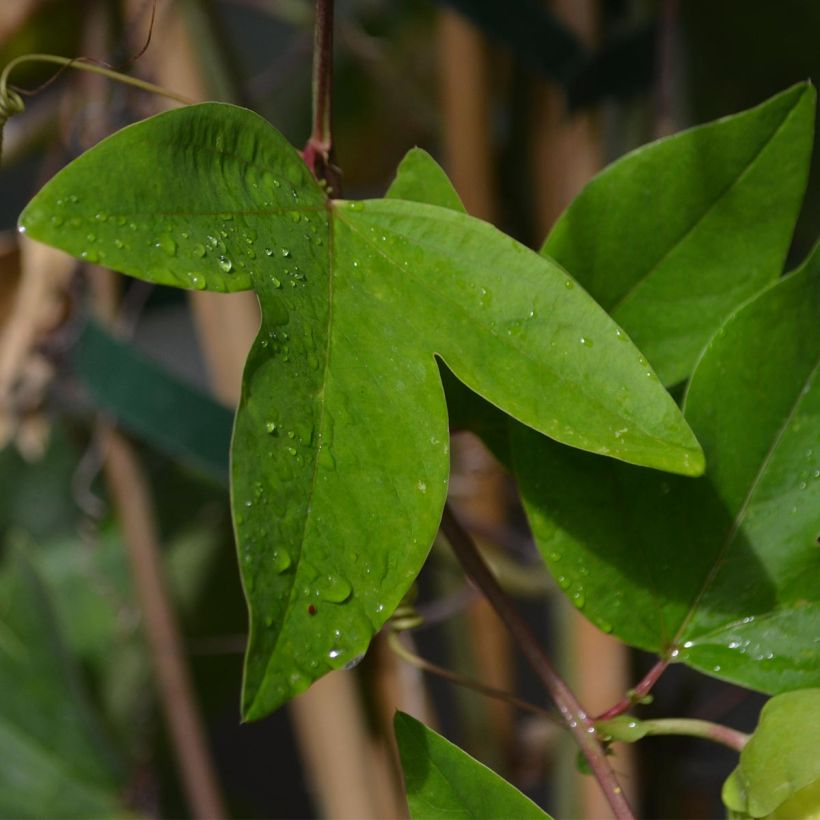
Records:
x=574, y=715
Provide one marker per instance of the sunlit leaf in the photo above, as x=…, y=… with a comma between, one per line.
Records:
x=340, y=447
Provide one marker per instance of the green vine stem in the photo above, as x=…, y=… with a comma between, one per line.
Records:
x=629, y=730
x=11, y=102
x=573, y=714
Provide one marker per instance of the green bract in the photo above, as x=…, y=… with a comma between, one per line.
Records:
x=340, y=447
x=445, y=783
x=779, y=771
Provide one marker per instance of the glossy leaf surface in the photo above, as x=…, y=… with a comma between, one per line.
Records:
x=442, y=781
x=55, y=762
x=779, y=769
x=722, y=572
x=672, y=237
x=340, y=445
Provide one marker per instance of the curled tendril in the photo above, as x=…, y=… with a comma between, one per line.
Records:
x=11, y=103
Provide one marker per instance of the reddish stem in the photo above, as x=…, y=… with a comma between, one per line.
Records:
x=636, y=695
x=318, y=152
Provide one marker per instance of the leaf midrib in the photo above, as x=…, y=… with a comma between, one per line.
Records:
x=741, y=514
x=704, y=214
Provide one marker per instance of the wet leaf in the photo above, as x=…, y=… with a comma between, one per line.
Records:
x=340, y=446
x=442, y=781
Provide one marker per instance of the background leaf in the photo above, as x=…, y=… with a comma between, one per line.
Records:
x=670, y=238
x=779, y=767
x=442, y=781
x=148, y=400
x=56, y=762
x=721, y=573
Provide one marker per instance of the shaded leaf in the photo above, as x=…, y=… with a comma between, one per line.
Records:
x=56, y=762
x=723, y=572
x=442, y=781
x=779, y=768
x=672, y=237
x=340, y=446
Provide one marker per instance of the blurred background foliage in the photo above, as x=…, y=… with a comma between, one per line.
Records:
x=522, y=101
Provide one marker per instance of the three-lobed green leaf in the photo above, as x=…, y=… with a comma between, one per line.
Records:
x=442, y=781
x=340, y=446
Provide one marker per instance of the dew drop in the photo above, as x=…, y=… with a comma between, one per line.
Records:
x=334, y=589
x=167, y=244
x=197, y=280
x=198, y=250
x=270, y=427
x=275, y=282
x=564, y=582
x=285, y=252
x=225, y=264
x=281, y=561
x=586, y=341
x=90, y=256
x=569, y=284
x=579, y=600
x=55, y=220
x=354, y=662
x=355, y=206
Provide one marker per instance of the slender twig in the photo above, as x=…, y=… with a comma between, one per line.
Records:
x=638, y=693
x=572, y=712
x=405, y=654
x=318, y=152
